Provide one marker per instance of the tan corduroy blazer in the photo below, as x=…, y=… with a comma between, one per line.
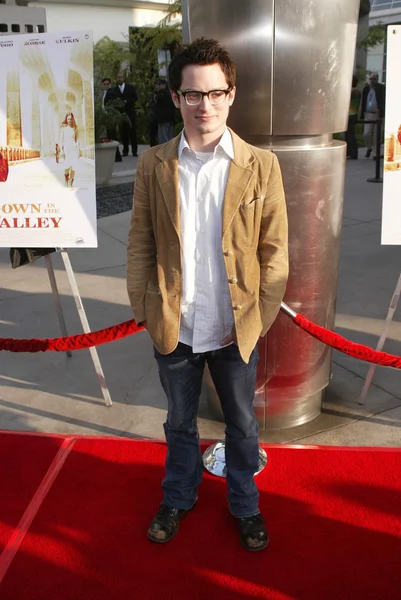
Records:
x=254, y=244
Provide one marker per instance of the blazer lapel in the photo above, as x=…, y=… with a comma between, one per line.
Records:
x=167, y=176
x=239, y=178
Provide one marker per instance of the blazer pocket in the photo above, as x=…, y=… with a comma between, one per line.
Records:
x=252, y=202
x=249, y=214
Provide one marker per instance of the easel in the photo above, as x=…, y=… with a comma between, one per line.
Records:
x=383, y=337
x=81, y=313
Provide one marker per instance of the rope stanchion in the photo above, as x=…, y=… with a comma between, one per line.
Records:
x=122, y=330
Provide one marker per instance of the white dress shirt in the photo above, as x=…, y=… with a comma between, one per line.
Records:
x=206, y=311
x=371, y=104
x=122, y=87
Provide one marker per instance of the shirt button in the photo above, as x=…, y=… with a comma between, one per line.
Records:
x=233, y=280
x=200, y=199
x=202, y=231
x=227, y=252
x=237, y=307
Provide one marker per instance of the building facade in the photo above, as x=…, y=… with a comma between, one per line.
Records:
x=17, y=17
x=385, y=12
x=111, y=18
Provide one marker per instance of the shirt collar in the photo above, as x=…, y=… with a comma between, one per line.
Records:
x=226, y=144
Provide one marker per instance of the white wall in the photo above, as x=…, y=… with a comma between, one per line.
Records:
x=102, y=20
x=26, y=18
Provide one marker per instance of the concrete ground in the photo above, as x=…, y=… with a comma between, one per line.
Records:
x=49, y=392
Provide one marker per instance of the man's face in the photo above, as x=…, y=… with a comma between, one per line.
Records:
x=120, y=79
x=204, y=118
x=106, y=85
x=372, y=80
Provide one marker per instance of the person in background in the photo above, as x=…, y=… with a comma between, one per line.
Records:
x=108, y=96
x=165, y=112
x=126, y=92
x=350, y=137
x=152, y=118
x=372, y=108
x=207, y=267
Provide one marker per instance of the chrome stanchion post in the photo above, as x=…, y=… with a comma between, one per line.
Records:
x=214, y=457
x=377, y=178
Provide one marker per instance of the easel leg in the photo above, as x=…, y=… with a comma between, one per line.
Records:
x=85, y=326
x=56, y=297
x=383, y=337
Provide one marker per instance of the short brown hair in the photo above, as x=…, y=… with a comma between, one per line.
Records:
x=202, y=51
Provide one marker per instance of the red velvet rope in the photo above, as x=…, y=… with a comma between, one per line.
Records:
x=74, y=342
x=340, y=343
x=110, y=334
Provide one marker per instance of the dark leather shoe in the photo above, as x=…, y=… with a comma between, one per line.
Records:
x=252, y=532
x=166, y=524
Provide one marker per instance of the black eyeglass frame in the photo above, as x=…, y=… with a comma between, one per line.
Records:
x=184, y=93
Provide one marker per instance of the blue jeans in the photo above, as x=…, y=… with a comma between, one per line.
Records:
x=165, y=132
x=181, y=375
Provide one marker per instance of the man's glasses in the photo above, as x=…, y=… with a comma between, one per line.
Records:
x=193, y=98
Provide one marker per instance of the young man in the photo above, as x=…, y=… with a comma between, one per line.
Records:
x=207, y=269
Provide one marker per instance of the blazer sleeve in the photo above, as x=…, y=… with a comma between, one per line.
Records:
x=141, y=251
x=273, y=248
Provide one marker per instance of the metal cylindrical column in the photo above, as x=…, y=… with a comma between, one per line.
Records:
x=294, y=65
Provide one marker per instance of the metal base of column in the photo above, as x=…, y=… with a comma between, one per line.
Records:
x=214, y=459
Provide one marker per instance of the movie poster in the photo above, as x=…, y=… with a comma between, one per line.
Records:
x=47, y=147
x=391, y=221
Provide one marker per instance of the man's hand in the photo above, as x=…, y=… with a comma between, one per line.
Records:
x=229, y=339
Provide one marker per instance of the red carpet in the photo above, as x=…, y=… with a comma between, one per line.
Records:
x=24, y=461
x=333, y=514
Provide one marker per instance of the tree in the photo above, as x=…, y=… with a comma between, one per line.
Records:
x=138, y=57
x=108, y=58
x=376, y=35
x=144, y=46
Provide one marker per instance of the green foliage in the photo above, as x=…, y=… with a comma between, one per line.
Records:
x=174, y=11
x=108, y=58
x=376, y=35
x=138, y=58
x=108, y=120
x=144, y=44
